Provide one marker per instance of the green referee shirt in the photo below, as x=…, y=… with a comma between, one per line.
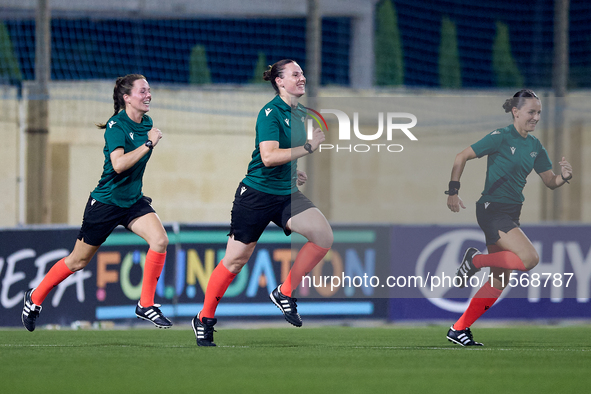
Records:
x=125, y=189
x=511, y=158
x=277, y=121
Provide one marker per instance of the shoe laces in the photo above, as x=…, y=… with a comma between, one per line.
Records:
x=292, y=302
x=208, y=331
x=156, y=308
x=207, y=328
x=34, y=309
x=469, y=333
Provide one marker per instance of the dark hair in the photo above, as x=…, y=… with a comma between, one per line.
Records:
x=123, y=86
x=518, y=99
x=276, y=70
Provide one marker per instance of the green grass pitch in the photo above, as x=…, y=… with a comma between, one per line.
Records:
x=329, y=359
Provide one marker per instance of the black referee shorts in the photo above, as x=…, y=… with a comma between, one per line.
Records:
x=100, y=219
x=253, y=210
x=493, y=217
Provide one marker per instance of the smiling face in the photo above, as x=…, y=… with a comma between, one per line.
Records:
x=292, y=83
x=138, y=101
x=527, y=117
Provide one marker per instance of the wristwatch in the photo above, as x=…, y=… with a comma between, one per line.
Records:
x=149, y=144
x=308, y=147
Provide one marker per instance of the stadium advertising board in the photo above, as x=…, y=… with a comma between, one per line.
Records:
x=558, y=287
x=111, y=284
x=399, y=272
x=25, y=256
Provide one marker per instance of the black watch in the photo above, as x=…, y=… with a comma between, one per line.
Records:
x=308, y=147
x=149, y=144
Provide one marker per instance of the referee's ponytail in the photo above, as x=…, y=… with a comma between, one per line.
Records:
x=123, y=86
x=274, y=71
x=518, y=99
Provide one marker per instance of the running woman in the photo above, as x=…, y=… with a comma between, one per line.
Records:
x=512, y=154
x=269, y=193
x=117, y=200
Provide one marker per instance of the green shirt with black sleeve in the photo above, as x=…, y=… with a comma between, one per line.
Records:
x=511, y=159
x=125, y=189
x=277, y=121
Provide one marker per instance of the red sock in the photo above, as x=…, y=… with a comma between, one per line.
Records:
x=307, y=258
x=504, y=259
x=152, y=270
x=54, y=277
x=218, y=283
x=482, y=301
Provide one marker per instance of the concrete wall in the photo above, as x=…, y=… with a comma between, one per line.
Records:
x=9, y=145
x=209, y=137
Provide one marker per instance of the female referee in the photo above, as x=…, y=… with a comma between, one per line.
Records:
x=117, y=200
x=512, y=153
x=269, y=193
